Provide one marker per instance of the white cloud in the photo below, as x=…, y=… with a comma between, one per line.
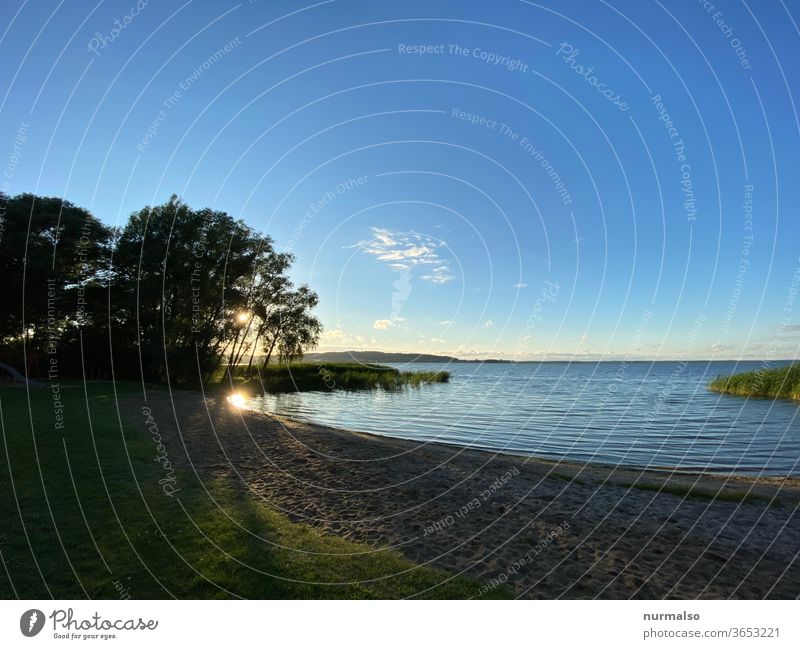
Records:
x=519, y=285
x=438, y=277
x=404, y=251
x=382, y=324
x=446, y=323
x=335, y=339
x=487, y=324
x=438, y=340
x=334, y=335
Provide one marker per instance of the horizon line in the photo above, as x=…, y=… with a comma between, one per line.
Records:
x=566, y=360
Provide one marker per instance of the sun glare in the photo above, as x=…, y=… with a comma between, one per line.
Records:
x=237, y=400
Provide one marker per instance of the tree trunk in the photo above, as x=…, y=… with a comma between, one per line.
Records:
x=242, y=348
x=232, y=354
x=252, y=354
x=269, y=351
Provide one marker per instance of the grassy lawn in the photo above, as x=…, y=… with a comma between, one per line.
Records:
x=83, y=515
x=777, y=383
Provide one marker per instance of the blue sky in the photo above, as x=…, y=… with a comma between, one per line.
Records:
x=516, y=179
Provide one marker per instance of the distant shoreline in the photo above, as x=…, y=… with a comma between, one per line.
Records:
x=404, y=357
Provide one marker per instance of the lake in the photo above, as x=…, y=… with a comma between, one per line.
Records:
x=649, y=415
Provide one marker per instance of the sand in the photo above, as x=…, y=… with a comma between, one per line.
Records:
x=543, y=529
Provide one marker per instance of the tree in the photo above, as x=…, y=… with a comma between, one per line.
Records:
x=267, y=291
x=193, y=287
x=176, y=292
x=53, y=264
x=291, y=328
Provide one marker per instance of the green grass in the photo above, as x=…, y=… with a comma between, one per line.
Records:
x=305, y=377
x=778, y=383
x=566, y=477
x=697, y=493
x=195, y=545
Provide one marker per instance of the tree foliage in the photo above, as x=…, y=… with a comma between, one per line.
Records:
x=175, y=295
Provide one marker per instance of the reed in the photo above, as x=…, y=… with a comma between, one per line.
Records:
x=777, y=383
x=304, y=377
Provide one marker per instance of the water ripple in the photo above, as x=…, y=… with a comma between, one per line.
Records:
x=642, y=417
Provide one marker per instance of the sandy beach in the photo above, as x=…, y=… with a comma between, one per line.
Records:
x=542, y=529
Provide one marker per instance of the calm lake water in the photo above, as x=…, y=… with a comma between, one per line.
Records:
x=655, y=415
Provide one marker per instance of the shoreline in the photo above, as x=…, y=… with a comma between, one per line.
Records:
x=669, y=472
x=629, y=532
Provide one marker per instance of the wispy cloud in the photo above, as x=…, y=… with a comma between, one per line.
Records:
x=487, y=324
x=519, y=285
x=404, y=251
x=382, y=324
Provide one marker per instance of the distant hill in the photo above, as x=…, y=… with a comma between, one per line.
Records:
x=405, y=357
x=374, y=357
x=383, y=357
